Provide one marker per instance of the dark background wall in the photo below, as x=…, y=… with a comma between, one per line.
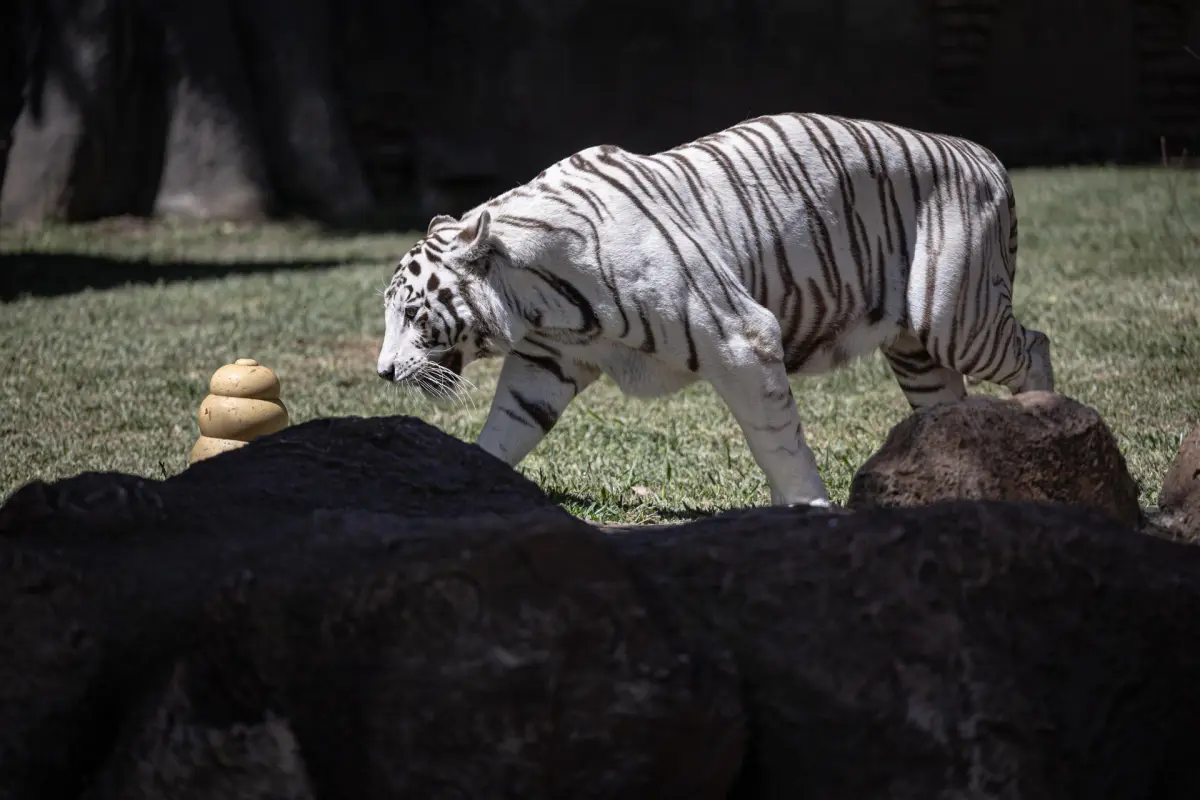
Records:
x=244, y=108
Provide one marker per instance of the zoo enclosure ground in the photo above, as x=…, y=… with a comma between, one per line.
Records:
x=110, y=331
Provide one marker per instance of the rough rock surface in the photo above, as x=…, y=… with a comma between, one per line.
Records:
x=1036, y=446
x=246, y=626
x=397, y=464
x=107, y=573
x=481, y=657
x=984, y=650
x=1179, y=498
x=185, y=760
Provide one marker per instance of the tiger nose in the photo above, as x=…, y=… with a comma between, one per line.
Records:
x=388, y=373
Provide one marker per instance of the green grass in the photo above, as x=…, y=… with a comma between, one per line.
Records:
x=111, y=378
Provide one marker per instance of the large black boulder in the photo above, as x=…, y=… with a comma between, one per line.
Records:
x=962, y=649
x=490, y=656
x=104, y=576
x=371, y=608
x=399, y=465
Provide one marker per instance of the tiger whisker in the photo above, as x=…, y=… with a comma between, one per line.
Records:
x=444, y=388
x=454, y=386
x=432, y=383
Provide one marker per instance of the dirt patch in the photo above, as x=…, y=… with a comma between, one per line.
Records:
x=342, y=355
x=358, y=351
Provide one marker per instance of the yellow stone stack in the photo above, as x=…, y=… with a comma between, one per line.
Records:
x=243, y=403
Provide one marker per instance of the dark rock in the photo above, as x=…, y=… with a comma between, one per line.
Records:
x=397, y=465
x=1035, y=446
x=176, y=109
x=103, y=576
x=102, y=132
x=352, y=608
x=87, y=135
x=955, y=650
x=1179, y=498
x=414, y=650
x=38, y=181
x=183, y=759
x=496, y=656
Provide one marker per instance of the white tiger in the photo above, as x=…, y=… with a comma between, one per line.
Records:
x=787, y=244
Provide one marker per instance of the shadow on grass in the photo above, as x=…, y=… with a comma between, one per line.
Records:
x=58, y=274
x=662, y=512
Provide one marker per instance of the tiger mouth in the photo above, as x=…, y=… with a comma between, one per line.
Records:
x=452, y=361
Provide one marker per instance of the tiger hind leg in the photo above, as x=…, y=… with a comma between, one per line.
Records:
x=1040, y=375
x=1023, y=363
x=923, y=381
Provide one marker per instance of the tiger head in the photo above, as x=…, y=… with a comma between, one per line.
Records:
x=438, y=309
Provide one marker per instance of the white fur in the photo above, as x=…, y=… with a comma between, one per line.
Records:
x=616, y=237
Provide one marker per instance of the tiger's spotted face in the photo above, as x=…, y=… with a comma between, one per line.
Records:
x=433, y=325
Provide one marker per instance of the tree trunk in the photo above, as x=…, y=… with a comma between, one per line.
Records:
x=12, y=73
x=310, y=154
x=213, y=164
x=55, y=159
x=178, y=108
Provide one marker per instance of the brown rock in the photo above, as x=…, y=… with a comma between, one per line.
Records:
x=1036, y=446
x=1179, y=499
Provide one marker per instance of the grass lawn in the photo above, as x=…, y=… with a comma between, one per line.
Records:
x=101, y=374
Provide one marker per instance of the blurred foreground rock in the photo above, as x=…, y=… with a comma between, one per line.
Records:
x=1036, y=446
x=247, y=628
x=110, y=572
x=484, y=657
x=969, y=649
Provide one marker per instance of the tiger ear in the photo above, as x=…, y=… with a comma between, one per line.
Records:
x=438, y=219
x=477, y=239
